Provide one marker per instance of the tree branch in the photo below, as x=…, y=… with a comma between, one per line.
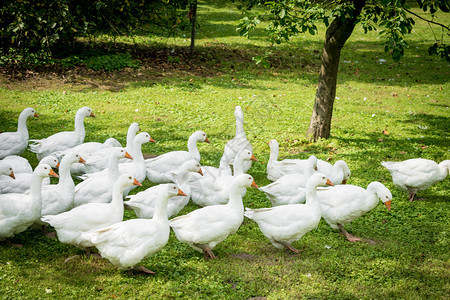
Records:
x=429, y=21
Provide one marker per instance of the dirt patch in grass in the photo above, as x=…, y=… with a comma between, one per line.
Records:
x=155, y=64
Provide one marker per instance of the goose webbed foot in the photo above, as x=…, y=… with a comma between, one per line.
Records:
x=14, y=245
x=140, y=269
x=207, y=252
x=289, y=246
x=411, y=196
x=349, y=236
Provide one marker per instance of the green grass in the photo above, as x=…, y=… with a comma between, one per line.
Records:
x=170, y=101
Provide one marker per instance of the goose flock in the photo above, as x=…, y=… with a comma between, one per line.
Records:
x=90, y=214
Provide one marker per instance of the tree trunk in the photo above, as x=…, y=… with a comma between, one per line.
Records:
x=337, y=34
x=193, y=17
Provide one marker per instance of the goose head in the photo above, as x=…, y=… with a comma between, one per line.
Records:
x=121, y=153
x=50, y=160
x=245, y=180
x=318, y=179
x=173, y=190
x=72, y=158
x=134, y=128
x=444, y=166
x=126, y=180
x=200, y=136
x=112, y=142
x=342, y=165
x=29, y=112
x=245, y=155
x=238, y=113
x=45, y=170
x=142, y=138
x=312, y=162
x=85, y=112
x=6, y=169
x=382, y=192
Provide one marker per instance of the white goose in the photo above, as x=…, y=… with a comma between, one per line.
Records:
x=291, y=188
x=92, y=216
x=239, y=141
x=99, y=160
x=126, y=243
x=58, y=198
x=22, y=181
x=18, y=163
x=12, y=143
x=144, y=203
x=160, y=166
x=19, y=211
x=204, y=228
x=338, y=173
x=285, y=224
x=276, y=168
x=210, y=190
x=63, y=140
x=85, y=150
x=99, y=188
x=6, y=169
x=344, y=203
x=417, y=174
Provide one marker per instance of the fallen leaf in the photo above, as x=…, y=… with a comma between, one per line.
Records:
x=380, y=140
x=385, y=132
x=394, y=94
x=403, y=152
x=329, y=158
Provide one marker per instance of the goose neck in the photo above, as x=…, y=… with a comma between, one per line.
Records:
x=64, y=171
x=274, y=152
x=22, y=124
x=113, y=169
x=79, y=126
x=238, y=167
x=117, y=197
x=193, y=149
x=311, y=195
x=35, y=189
x=161, y=208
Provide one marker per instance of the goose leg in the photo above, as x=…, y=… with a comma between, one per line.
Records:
x=11, y=244
x=349, y=237
x=141, y=269
x=289, y=246
x=207, y=252
x=411, y=196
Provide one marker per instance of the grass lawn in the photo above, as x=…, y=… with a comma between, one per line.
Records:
x=383, y=111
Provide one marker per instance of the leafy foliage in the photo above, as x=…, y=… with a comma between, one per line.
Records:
x=42, y=27
x=111, y=62
x=292, y=17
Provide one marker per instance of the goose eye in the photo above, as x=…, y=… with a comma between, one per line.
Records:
x=129, y=177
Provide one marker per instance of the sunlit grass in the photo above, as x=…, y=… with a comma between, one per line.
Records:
x=409, y=99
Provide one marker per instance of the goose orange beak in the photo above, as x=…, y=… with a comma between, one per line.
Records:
x=53, y=174
x=152, y=140
x=81, y=161
x=388, y=204
x=200, y=172
x=36, y=116
x=344, y=181
x=57, y=165
x=137, y=182
x=92, y=115
x=206, y=140
x=254, y=185
x=127, y=155
x=181, y=193
x=253, y=158
x=329, y=182
x=12, y=175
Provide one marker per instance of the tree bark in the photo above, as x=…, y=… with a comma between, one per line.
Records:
x=193, y=17
x=336, y=35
